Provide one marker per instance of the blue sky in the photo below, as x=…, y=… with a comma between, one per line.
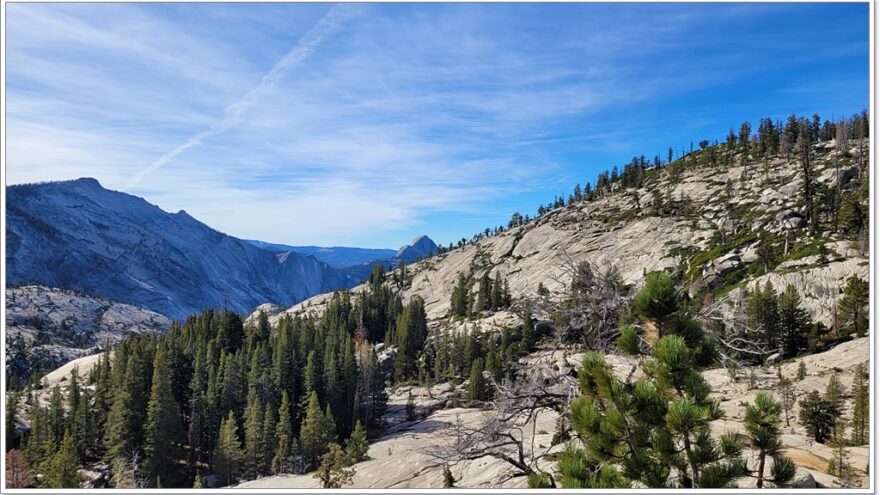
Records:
x=368, y=124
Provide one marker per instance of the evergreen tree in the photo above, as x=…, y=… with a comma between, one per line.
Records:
x=333, y=471
x=762, y=311
x=11, y=410
x=527, y=343
x=228, y=455
x=786, y=397
x=164, y=429
x=853, y=307
x=861, y=405
x=253, y=438
x=460, y=296
x=834, y=391
x=658, y=301
x=794, y=322
x=485, y=294
x=497, y=292
x=818, y=415
x=315, y=433
x=478, y=389
x=642, y=431
x=839, y=465
x=284, y=437
x=761, y=421
x=63, y=469
x=357, y=446
x=802, y=370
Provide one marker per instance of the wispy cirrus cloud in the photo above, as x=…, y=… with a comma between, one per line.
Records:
x=405, y=114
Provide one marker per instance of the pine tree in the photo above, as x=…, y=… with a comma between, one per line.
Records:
x=164, y=429
x=460, y=296
x=861, y=405
x=284, y=436
x=642, y=431
x=853, y=307
x=834, y=391
x=658, y=301
x=228, y=454
x=477, y=386
x=485, y=293
x=64, y=466
x=818, y=415
x=315, y=433
x=198, y=414
x=56, y=415
x=794, y=322
x=11, y=410
x=839, y=465
x=802, y=370
x=357, y=446
x=761, y=421
x=253, y=438
x=762, y=311
x=497, y=292
x=197, y=484
x=333, y=471
x=786, y=397
x=410, y=407
x=528, y=332
x=270, y=421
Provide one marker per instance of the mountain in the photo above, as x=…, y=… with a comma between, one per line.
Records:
x=420, y=247
x=78, y=235
x=47, y=327
x=348, y=257
x=337, y=257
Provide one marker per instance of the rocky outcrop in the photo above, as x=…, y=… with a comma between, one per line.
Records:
x=47, y=327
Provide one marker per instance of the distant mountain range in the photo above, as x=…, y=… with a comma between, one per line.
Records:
x=337, y=257
x=351, y=257
x=78, y=235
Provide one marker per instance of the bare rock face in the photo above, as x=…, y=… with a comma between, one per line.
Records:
x=47, y=327
x=621, y=229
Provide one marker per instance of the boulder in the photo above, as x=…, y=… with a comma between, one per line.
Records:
x=773, y=359
x=794, y=223
x=803, y=479
x=786, y=214
x=386, y=359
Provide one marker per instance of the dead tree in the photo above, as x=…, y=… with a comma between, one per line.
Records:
x=592, y=300
x=508, y=431
x=737, y=342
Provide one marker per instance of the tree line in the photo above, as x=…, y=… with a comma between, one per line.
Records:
x=217, y=400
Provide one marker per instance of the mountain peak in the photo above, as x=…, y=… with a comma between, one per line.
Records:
x=83, y=183
x=420, y=247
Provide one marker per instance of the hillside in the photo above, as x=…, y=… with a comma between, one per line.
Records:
x=401, y=457
x=77, y=235
x=47, y=327
x=709, y=225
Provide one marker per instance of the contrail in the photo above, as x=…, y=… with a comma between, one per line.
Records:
x=301, y=51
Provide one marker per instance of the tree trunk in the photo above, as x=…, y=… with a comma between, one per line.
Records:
x=762, y=459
